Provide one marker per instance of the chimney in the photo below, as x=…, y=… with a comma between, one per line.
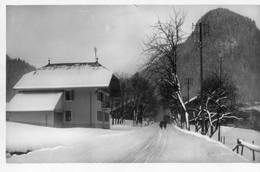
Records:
x=95, y=50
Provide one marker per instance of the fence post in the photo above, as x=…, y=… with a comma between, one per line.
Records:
x=242, y=150
x=238, y=146
x=253, y=151
x=221, y=139
x=224, y=139
x=219, y=132
x=211, y=130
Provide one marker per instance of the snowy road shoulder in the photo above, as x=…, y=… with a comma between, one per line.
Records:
x=188, y=146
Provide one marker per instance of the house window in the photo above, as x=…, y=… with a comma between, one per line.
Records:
x=99, y=115
x=100, y=96
x=106, y=99
x=68, y=114
x=69, y=95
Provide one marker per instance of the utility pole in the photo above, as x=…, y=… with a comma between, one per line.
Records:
x=189, y=82
x=188, y=90
x=220, y=85
x=203, y=30
x=220, y=68
x=201, y=79
x=221, y=53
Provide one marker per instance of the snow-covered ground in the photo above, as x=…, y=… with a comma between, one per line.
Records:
x=231, y=135
x=122, y=143
x=72, y=144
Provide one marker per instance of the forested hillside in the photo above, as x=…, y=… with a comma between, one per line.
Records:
x=15, y=69
x=235, y=39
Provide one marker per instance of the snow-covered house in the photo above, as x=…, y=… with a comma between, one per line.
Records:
x=254, y=116
x=65, y=95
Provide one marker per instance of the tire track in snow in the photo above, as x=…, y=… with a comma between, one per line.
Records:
x=147, y=152
x=151, y=151
x=158, y=149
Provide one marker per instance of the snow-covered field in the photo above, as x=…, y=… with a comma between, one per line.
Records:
x=122, y=143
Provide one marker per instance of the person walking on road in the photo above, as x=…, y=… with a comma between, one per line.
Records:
x=164, y=124
x=161, y=124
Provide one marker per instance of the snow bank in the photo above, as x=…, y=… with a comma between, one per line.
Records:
x=211, y=144
x=23, y=137
x=51, y=145
x=231, y=135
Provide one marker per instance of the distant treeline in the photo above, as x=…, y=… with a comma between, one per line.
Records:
x=15, y=69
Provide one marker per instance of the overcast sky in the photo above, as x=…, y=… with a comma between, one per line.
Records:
x=70, y=33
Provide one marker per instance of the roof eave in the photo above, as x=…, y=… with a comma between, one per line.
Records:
x=58, y=87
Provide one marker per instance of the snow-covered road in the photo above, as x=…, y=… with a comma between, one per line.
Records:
x=176, y=145
x=150, y=151
x=121, y=144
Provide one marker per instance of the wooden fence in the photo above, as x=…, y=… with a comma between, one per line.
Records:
x=251, y=146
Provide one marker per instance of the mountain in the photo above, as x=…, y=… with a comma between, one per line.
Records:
x=233, y=37
x=15, y=69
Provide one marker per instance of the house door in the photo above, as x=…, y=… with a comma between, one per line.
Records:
x=58, y=118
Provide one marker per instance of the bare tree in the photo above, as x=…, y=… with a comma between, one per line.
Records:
x=162, y=51
x=220, y=98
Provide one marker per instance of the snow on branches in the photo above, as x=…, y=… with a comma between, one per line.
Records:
x=161, y=48
x=220, y=104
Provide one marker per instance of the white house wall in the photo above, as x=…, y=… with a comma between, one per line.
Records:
x=80, y=108
x=97, y=107
x=42, y=118
x=85, y=103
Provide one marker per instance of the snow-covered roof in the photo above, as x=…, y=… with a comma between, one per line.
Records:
x=28, y=101
x=66, y=75
x=257, y=108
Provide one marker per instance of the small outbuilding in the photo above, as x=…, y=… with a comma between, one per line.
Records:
x=254, y=116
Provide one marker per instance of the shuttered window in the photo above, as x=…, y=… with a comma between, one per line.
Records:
x=69, y=95
x=100, y=96
x=68, y=115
